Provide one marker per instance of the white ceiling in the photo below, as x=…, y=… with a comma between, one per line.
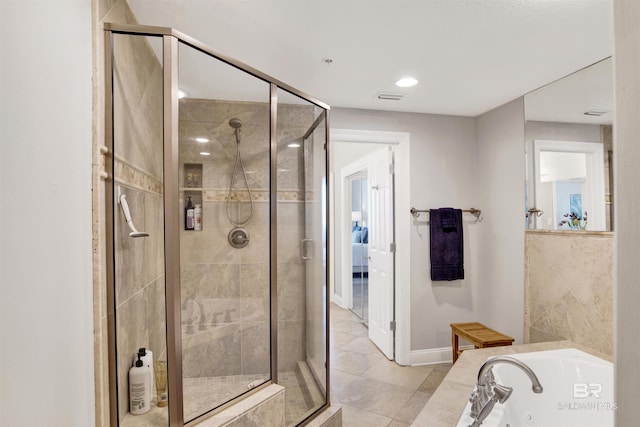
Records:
x=469, y=56
x=567, y=99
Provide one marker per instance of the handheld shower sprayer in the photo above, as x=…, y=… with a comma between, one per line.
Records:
x=236, y=124
x=122, y=201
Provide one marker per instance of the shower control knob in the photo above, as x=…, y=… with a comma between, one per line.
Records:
x=238, y=238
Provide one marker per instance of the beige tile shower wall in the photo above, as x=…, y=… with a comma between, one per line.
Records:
x=138, y=172
x=293, y=123
x=224, y=290
x=569, y=288
x=139, y=262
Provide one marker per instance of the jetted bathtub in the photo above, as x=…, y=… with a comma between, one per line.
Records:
x=577, y=391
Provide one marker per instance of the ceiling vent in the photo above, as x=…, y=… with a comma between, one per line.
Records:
x=596, y=113
x=389, y=96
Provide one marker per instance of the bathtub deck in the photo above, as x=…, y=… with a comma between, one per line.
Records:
x=449, y=400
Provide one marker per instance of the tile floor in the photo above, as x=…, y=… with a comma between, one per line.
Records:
x=372, y=390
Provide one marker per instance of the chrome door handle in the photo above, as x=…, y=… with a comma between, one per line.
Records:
x=303, y=245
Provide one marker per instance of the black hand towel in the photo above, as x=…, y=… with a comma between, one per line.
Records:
x=447, y=250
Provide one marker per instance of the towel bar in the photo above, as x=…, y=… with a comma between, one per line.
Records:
x=473, y=211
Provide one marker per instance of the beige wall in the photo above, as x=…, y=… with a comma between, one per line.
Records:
x=499, y=185
x=569, y=288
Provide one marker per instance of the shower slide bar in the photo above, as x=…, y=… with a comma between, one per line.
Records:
x=473, y=211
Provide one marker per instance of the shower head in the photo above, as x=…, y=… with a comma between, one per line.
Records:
x=235, y=123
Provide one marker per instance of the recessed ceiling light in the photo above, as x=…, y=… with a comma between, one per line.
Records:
x=406, y=82
x=293, y=145
x=201, y=139
x=182, y=94
x=205, y=153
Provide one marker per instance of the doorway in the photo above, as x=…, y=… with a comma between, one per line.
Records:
x=349, y=148
x=369, y=243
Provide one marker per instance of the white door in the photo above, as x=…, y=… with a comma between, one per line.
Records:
x=381, y=238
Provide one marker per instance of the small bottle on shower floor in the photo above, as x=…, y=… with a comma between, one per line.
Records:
x=189, y=215
x=197, y=218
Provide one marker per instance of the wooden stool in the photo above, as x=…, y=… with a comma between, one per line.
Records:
x=478, y=334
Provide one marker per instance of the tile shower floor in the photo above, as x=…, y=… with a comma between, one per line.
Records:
x=372, y=390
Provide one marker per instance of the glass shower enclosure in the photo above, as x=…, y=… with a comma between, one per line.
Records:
x=217, y=232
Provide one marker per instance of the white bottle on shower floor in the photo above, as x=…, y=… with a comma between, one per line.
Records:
x=147, y=359
x=139, y=386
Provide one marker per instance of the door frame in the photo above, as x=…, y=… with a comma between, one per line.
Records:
x=594, y=185
x=402, y=306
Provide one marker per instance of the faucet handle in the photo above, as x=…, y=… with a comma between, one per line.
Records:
x=489, y=378
x=476, y=404
x=502, y=393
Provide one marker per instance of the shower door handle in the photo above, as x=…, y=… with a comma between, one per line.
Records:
x=303, y=249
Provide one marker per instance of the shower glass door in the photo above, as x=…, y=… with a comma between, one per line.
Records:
x=136, y=295
x=224, y=179
x=222, y=169
x=302, y=231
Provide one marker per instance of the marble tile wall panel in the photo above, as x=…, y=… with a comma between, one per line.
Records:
x=256, y=348
x=211, y=351
x=209, y=119
x=269, y=412
x=140, y=322
x=130, y=254
x=138, y=113
x=569, y=288
x=291, y=344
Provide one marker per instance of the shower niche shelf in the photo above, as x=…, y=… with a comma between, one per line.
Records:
x=192, y=176
x=192, y=184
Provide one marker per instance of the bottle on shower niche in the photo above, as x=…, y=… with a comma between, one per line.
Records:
x=197, y=218
x=189, y=215
x=139, y=386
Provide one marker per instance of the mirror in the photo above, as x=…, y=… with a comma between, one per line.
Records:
x=568, y=146
x=360, y=244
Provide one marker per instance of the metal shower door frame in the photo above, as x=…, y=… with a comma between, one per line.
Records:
x=171, y=39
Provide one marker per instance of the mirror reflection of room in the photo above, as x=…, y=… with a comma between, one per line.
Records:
x=360, y=244
x=569, y=150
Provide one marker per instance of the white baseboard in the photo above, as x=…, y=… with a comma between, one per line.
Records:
x=337, y=299
x=433, y=356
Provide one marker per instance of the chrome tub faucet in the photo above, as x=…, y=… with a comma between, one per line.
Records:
x=488, y=393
